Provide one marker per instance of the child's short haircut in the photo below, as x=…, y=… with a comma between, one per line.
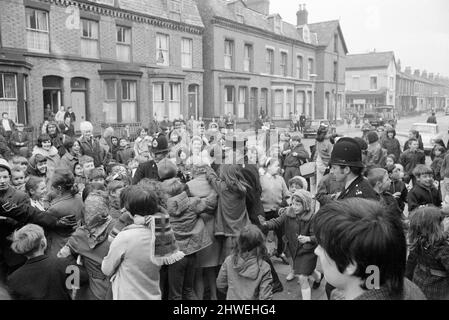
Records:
x=376, y=175
x=140, y=201
x=364, y=233
x=16, y=168
x=421, y=169
x=27, y=240
x=172, y=187
x=32, y=183
x=85, y=159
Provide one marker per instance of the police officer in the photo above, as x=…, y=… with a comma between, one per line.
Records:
x=347, y=166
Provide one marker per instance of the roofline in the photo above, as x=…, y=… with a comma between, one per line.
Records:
x=340, y=31
x=359, y=54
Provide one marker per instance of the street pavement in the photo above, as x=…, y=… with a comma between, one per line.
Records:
x=292, y=289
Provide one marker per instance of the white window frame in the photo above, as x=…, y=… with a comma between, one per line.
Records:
x=270, y=69
x=248, y=59
x=228, y=56
x=299, y=66
x=241, y=103
x=284, y=68
x=278, y=111
x=229, y=105
x=187, y=53
x=38, y=39
x=175, y=6
x=89, y=42
x=129, y=99
x=373, y=76
x=110, y=104
x=123, y=48
x=174, y=107
x=159, y=104
x=162, y=52
x=310, y=69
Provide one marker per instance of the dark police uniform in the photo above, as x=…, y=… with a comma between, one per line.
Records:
x=359, y=188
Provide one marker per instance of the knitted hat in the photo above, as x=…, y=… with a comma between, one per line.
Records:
x=166, y=169
x=347, y=152
x=159, y=144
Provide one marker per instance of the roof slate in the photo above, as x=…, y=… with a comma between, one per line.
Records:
x=369, y=60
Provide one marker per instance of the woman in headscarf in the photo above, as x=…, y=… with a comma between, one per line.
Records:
x=90, y=242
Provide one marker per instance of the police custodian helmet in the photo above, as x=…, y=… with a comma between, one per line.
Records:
x=347, y=152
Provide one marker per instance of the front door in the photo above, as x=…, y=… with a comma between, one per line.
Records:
x=79, y=107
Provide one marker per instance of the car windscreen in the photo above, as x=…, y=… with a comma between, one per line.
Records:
x=369, y=116
x=424, y=129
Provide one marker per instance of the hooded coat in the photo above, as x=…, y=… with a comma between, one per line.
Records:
x=245, y=277
x=392, y=145
x=190, y=231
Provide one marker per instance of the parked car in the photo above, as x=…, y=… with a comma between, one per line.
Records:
x=312, y=126
x=429, y=133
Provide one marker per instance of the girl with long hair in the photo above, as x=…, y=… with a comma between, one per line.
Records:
x=428, y=261
x=232, y=215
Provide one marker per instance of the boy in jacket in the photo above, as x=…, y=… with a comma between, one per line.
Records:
x=295, y=157
x=125, y=152
x=424, y=192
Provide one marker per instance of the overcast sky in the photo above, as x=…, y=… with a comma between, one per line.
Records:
x=417, y=31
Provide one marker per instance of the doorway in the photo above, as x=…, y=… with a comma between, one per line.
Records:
x=193, y=101
x=52, y=93
x=253, y=103
x=78, y=97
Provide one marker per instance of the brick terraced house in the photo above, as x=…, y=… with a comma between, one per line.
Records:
x=113, y=61
x=254, y=62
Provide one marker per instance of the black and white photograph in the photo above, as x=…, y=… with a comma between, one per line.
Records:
x=224, y=152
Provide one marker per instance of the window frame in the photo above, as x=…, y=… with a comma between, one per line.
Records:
x=30, y=30
x=184, y=53
x=160, y=49
x=124, y=44
x=250, y=59
x=229, y=55
x=371, y=83
x=269, y=65
x=310, y=67
x=91, y=39
x=284, y=67
x=300, y=66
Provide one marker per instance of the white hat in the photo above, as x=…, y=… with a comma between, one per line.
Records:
x=5, y=164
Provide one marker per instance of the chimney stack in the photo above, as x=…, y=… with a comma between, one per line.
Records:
x=431, y=76
x=417, y=73
x=261, y=6
x=399, y=65
x=302, y=15
x=408, y=70
x=424, y=74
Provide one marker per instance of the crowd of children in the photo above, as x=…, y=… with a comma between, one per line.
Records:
x=203, y=224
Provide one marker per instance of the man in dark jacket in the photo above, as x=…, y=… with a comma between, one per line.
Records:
x=148, y=169
x=432, y=118
x=91, y=146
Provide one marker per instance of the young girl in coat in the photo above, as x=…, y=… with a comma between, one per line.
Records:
x=208, y=258
x=244, y=274
x=232, y=215
x=428, y=261
x=300, y=241
x=45, y=147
